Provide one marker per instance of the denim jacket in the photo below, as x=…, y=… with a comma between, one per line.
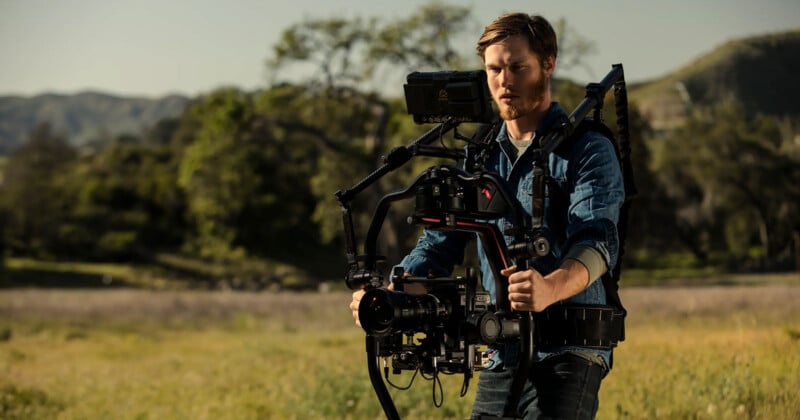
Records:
x=587, y=171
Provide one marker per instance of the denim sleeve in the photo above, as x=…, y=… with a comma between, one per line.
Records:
x=436, y=253
x=595, y=197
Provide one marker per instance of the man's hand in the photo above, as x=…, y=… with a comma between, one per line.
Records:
x=530, y=291
x=357, y=295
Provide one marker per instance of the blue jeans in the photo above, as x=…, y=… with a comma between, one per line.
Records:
x=564, y=386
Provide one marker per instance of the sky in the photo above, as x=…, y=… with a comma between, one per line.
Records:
x=153, y=48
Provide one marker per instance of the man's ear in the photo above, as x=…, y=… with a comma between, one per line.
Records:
x=549, y=65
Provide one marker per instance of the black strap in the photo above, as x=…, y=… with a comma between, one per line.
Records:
x=594, y=326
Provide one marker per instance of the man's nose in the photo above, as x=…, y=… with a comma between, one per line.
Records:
x=506, y=80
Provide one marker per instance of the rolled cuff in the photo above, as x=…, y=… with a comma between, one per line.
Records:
x=591, y=259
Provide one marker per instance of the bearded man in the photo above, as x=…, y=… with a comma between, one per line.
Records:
x=519, y=55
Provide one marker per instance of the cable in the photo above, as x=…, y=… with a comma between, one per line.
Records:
x=436, y=380
x=401, y=388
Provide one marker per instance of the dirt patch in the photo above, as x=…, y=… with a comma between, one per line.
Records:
x=772, y=302
x=141, y=304
x=643, y=304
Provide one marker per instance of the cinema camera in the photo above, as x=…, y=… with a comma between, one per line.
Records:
x=442, y=331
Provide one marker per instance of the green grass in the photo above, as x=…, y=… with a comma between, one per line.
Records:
x=714, y=352
x=241, y=367
x=702, y=372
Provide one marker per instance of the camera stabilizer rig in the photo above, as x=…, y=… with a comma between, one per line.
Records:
x=441, y=331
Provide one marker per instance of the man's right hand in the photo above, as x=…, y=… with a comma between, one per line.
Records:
x=357, y=295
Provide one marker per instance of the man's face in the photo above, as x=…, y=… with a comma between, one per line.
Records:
x=517, y=81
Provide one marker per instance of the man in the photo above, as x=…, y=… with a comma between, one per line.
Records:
x=519, y=55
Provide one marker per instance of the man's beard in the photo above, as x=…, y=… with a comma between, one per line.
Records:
x=529, y=102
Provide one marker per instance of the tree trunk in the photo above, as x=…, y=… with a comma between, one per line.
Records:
x=796, y=236
x=686, y=236
x=763, y=235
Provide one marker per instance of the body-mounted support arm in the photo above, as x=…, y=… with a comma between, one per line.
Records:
x=593, y=101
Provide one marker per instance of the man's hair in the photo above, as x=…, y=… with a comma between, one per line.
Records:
x=536, y=29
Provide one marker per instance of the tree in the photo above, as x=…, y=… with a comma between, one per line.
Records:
x=733, y=184
x=32, y=193
x=651, y=224
x=573, y=48
x=356, y=52
x=424, y=41
x=215, y=170
x=350, y=124
x=125, y=204
x=245, y=175
x=329, y=46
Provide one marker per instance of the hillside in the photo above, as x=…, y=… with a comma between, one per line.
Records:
x=759, y=72
x=82, y=117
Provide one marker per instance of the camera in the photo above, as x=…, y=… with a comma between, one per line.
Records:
x=453, y=317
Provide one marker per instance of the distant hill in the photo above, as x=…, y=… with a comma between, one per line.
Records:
x=759, y=72
x=82, y=117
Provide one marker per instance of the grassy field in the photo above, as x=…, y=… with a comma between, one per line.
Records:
x=692, y=352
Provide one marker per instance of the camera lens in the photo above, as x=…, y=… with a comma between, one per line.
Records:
x=377, y=315
x=383, y=312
